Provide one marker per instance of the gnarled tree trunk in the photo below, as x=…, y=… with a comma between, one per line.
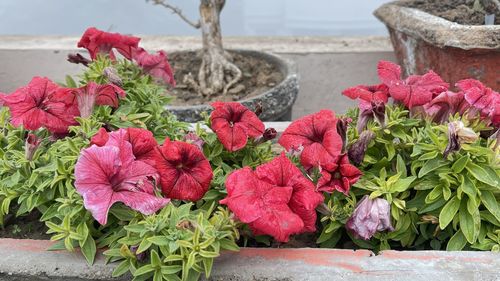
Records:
x=217, y=73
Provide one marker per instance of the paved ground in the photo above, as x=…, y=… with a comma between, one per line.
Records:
x=322, y=75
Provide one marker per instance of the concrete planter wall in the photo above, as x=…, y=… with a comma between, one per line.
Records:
x=278, y=101
x=29, y=260
x=423, y=41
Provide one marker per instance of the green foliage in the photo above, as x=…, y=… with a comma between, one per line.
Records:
x=175, y=244
x=436, y=202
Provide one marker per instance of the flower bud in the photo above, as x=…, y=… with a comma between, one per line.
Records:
x=193, y=138
x=342, y=125
x=258, y=108
x=269, y=134
x=141, y=256
x=112, y=76
x=369, y=217
x=358, y=149
x=31, y=144
x=77, y=59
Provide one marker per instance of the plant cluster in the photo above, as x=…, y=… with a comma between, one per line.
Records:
x=107, y=167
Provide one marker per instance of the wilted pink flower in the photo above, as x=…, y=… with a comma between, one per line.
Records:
x=109, y=174
x=269, y=134
x=375, y=111
x=457, y=135
x=193, y=138
x=156, y=65
x=369, y=217
x=93, y=94
x=443, y=105
x=342, y=126
x=31, y=144
x=358, y=149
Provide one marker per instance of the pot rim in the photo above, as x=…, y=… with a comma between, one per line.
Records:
x=287, y=67
x=436, y=30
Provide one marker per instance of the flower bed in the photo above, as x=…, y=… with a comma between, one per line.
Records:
x=107, y=168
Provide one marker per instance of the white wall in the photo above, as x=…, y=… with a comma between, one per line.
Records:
x=240, y=17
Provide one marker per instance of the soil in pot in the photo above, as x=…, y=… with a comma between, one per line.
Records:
x=24, y=227
x=459, y=11
x=258, y=76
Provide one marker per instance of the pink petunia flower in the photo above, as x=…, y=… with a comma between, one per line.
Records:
x=481, y=99
x=31, y=144
x=143, y=142
x=261, y=205
x=368, y=94
x=304, y=199
x=156, y=65
x=413, y=91
x=94, y=94
x=193, y=138
x=234, y=124
x=317, y=134
x=36, y=105
x=341, y=178
x=185, y=173
x=109, y=174
x=99, y=42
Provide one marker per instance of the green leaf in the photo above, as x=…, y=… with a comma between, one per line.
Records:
x=469, y=224
x=143, y=270
x=401, y=166
x=170, y=269
x=448, y=212
x=457, y=242
x=490, y=202
x=402, y=184
x=468, y=187
x=430, y=166
x=459, y=165
x=155, y=259
x=121, y=269
x=89, y=249
x=70, y=83
x=159, y=240
x=481, y=175
x=228, y=244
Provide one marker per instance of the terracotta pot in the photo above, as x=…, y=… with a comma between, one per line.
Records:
x=278, y=100
x=423, y=41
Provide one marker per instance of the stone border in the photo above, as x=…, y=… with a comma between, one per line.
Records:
x=436, y=30
x=29, y=260
x=285, y=44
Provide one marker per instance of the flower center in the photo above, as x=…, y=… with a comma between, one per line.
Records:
x=337, y=175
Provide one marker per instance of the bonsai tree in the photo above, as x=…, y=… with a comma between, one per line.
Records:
x=217, y=72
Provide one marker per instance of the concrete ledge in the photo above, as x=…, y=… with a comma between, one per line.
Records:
x=301, y=45
x=29, y=260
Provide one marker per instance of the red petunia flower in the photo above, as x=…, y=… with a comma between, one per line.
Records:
x=443, y=105
x=109, y=174
x=263, y=206
x=413, y=91
x=35, y=105
x=304, y=200
x=234, y=124
x=368, y=94
x=185, y=173
x=341, y=178
x=156, y=65
x=143, y=142
x=317, y=133
x=100, y=42
x=482, y=100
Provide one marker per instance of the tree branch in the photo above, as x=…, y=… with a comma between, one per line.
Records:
x=177, y=11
